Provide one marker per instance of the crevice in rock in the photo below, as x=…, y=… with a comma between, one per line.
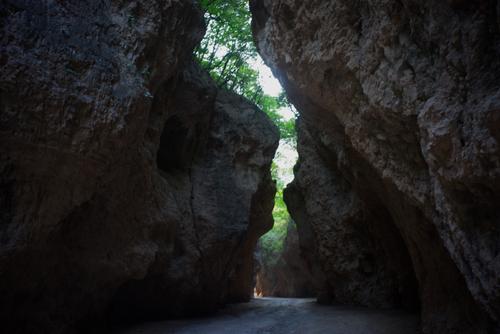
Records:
x=134, y=186
x=175, y=145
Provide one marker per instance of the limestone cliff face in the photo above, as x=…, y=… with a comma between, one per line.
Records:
x=287, y=274
x=360, y=252
x=128, y=183
x=400, y=105
x=217, y=194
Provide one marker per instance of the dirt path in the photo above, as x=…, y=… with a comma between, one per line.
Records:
x=282, y=315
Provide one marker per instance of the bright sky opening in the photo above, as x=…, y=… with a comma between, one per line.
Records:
x=270, y=84
x=286, y=155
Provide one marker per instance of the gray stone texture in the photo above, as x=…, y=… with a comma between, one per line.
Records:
x=399, y=167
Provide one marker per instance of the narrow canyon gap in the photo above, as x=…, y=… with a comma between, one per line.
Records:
x=133, y=187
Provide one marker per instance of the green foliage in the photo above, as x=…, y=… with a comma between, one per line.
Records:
x=271, y=244
x=227, y=52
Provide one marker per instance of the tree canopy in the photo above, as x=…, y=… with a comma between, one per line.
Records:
x=227, y=52
x=272, y=243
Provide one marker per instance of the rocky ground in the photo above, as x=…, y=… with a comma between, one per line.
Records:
x=284, y=315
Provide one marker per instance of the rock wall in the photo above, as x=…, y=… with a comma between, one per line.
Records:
x=358, y=249
x=286, y=275
x=128, y=185
x=399, y=162
x=214, y=163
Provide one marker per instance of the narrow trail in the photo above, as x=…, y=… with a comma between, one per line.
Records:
x=283, y=315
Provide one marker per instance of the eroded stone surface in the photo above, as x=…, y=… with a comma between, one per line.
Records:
x=354, y=243
x=119, y=183
x=288, y=274
x=214, y=170
x=401, y=101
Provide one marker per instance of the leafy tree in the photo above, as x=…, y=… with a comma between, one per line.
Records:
x=226, y=53
x=272, y=243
